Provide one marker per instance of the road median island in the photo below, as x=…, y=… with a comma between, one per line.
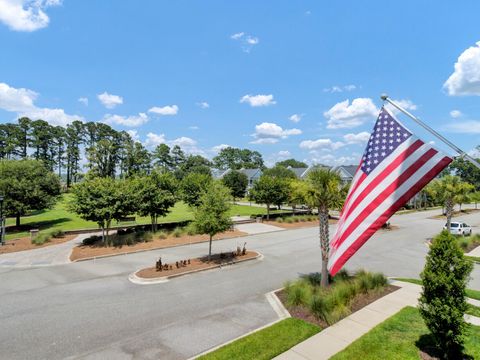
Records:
x=189, y=266
x=157, y=241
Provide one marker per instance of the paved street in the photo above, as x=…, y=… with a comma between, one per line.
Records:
x=91, y=310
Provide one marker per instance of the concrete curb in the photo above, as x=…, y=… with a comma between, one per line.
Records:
x=144, y=281
x=277, y=306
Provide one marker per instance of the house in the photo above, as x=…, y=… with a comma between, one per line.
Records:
x=299, y=172
x=346, y=172
x=252, y=174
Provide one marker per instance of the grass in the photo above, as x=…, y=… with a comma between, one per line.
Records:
x=475, y=259
x=473, y=310
x=473, y=294
x=296, y=218
x=401, y=337
x=266, y=343
x=59, y=218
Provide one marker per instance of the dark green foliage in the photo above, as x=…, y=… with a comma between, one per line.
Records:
x=103, y=200
x=280, y=172
x=155, y=195
x=193, y=186
x=443, y=303
x=292, y=163
x=235, y=159
x=237, y=183
x=27, y=185
x=270, y=191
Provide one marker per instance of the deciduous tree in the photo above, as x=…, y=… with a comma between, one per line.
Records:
x=27, y=185
x=236, y=182
x=211, y=216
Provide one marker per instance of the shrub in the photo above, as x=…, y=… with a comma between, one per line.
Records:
x=442, y=302
x=91, y=240
x=177, y=232
x=57, y=233
x=289, y=220
x=299, y=293
x=280, y=220
x=162, y=234
x=296, y=219
x=41, y=238
x=191, y=230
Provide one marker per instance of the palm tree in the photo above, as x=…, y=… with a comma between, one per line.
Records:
x=448, y=190
x=324, y=192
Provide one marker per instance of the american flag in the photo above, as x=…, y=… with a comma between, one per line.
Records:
x=395, y=166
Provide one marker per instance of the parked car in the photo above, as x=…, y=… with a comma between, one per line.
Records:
x=459, y=228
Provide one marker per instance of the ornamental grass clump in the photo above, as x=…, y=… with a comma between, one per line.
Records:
x=299, y=293
x=443, y=300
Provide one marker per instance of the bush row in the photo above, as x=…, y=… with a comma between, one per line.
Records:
x=44, y=237
x=332, y=304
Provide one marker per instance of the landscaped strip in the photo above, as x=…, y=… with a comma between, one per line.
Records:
x=473, y=294
x=403, y=336
x=266, y=343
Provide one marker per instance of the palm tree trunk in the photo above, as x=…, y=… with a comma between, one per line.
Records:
x=324, y=243
x=449, y=211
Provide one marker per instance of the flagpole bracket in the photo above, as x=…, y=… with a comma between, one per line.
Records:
x=384, y=97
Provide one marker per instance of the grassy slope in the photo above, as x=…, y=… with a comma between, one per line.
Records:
x=60, y=218
x=398, y=337
x=266, y=343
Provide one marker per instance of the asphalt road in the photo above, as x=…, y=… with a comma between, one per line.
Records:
x=90, y=310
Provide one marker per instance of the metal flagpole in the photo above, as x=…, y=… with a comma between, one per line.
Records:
x=462, y=153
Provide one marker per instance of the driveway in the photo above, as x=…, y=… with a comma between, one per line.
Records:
x=90, y=310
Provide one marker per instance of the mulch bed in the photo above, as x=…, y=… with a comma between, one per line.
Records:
x=196, y=264
x=90, y=251
x=456, y=213
x=25, y=243
x=359, y=302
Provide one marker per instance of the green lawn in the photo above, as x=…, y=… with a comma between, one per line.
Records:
x=400, y=337
x=473, y=294
x=60, y=218
x=266, y=343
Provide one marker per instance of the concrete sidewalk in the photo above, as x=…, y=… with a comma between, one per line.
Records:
x=45, y=256
x=338, y=336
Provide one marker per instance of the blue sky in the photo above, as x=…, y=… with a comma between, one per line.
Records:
x=290, y=79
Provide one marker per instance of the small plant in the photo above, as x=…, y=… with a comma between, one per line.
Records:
x=299, y=293
x=280, y=220
x=91, y=240
x=177, y=232
x=191, y=230
x=162, y=235
x=41, y=239
x=57, y=233
x=288, y=220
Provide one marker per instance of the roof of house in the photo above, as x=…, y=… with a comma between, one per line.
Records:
x=298, y=171
x=349, y=169
x=219, y=173
x=251, y=172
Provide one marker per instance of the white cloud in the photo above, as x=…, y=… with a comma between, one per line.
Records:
x=184, y=142
x=237, y=36
x=22, y=102
x=12, y=99
x=455, y=114
x=346, y=115
x=165, y=110
x=465, y=80
x=258, y=100
x=339, y=88
x=154, y=140
x=203, y=105
x=475, y=153
x=359, y=138
x=25, y=15
x=284, y=154
x=318, y=144
x=218, y=148
x=247, y=41
x=295, y=118
x=109, y=100
x=130, y=121
x=134, y=135
x=270, y=133
x=464, y=127
x=83, y=100
x=332, y=160
x=193, y=127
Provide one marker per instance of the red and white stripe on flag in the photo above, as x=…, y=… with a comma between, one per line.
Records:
x=395, y=166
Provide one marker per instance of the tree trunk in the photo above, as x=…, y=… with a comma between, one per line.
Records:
x=17, y=221
x=268, y=211
x=324, y=243
x=103, y=237
x=210, y=248
x=449, y=212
